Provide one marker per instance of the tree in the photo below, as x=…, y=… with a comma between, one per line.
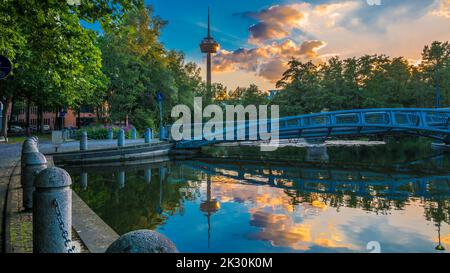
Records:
x=57, y=61
x=139, y=66
x=434, y=67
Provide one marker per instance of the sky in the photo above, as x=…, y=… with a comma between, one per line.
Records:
x=258, y=37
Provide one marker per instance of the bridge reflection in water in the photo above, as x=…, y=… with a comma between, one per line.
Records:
x=272, y=206
x=360, y=183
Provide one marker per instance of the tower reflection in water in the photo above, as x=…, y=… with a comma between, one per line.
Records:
x=209, y=206
x=292, y=207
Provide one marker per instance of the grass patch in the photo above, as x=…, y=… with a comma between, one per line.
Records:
x=20, y=139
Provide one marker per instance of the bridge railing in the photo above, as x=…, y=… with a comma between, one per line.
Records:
x=376, y=120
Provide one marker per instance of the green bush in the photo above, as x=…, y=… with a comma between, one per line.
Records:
x=102, y=132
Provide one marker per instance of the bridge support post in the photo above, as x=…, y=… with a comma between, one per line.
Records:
x=133, y=133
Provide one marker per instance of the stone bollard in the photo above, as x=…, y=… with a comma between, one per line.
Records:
x=148, y=135
x=121, y=138
x=28, y=146
x=142, y=241
x=35, y=139
x=34, y=164
x=110, y=134
x=83, y=141
x=133, y=133
x=52, y=212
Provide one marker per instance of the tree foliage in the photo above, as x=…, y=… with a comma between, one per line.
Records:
x=370, y=81
x=57, y=62
x=138, y=66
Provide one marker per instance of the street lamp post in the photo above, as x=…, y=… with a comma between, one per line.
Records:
x=159, y=98
x=1, y=116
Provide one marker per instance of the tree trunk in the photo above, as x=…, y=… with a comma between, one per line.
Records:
x=6, y=108
x=40, y=119
x=97, y=116
x=79, y=118
x=61, y=119
x=28, y=118
x=55, y=122
x=12, y=109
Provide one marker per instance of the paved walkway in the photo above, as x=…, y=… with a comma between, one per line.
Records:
x=9, y=156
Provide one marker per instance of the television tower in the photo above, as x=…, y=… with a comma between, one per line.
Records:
x=208, y=46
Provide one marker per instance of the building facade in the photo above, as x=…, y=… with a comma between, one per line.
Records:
x=87, y=117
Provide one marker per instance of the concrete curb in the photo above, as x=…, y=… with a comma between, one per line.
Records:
x=96, y=235
x=113, y=154
x=7, y=247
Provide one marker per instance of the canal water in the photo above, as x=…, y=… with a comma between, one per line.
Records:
x=391, y=198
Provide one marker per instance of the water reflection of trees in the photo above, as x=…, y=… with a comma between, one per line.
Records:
x=397, y=151
x=137, y=205
x=340, y=200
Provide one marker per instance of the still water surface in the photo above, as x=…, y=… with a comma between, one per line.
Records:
x=335, y=199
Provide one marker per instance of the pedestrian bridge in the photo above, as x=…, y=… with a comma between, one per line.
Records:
x=427, y=122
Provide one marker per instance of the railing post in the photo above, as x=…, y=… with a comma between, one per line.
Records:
x=148, y=135
x=52, y=212
x=34, y=164
x=121, y=138
x=133, y=133
x=361, y=117
x=423, y=119
x=83, y=141
x=392, y=118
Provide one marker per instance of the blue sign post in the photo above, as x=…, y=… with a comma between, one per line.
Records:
x=62, y=115
x=1, y=116
x=5, y=67
x=159, y=99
